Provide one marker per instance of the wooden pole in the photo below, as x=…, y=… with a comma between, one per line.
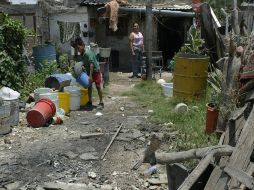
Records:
x=112, y=140
x=149, y=38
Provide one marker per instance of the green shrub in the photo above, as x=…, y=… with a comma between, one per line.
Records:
x=12, y=63
x=37, y=79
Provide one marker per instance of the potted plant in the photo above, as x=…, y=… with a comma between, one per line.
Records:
x=191, y=65
x=212, y=107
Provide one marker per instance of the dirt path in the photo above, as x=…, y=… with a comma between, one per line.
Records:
x=30, y=157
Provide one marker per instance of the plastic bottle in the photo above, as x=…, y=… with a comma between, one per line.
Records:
x=151, y=170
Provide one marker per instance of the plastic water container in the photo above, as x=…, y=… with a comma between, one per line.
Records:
x=39, y=91
x=83, y=80
x=14, y=111
x=167, y=89
x=58, y=81
x=74, y=97
x=52, y=96
x=84, y=97
x=105, y=52
x=64, y=101
x=41, y=112
x=77, y=68
x=5, y=110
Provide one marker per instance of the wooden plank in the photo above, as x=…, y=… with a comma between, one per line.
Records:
x=244, y=148
x=231, y=71
x=250, y=171
x=241, y=176
x=218, y=177
x=238, y=112
x=174, y=157
x=90, y=135
x=112, y=140
x=196, y=173
x=201, y=167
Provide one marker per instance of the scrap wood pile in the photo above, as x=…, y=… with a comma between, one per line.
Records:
x=232, y=159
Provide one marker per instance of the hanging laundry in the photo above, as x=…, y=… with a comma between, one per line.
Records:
x=112, y=11
x=68, y=30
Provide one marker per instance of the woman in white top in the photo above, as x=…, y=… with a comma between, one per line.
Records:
x=137, y=49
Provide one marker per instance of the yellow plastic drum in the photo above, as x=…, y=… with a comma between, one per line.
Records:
x=83, y=97
x=64, y=101
x=190, y=77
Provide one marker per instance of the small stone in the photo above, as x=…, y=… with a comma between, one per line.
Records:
x=114, y=173
x=71, y=155
x=39, y=188
x=153, y=187
x=113, y=98
x=90, y=186
x=142, y=139
x=7, y=141
x=121, y=108
x=92, y=175
x=106, y=187
x=88, y=156
x=13, y=186
x=98, y=130
x=98, y=114
x=134, y=187
x=85, y=122
x=162, y=179
x=146, y=184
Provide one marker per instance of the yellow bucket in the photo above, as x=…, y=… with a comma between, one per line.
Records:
x=64, y=101
x=84, y=97
x=190, y=77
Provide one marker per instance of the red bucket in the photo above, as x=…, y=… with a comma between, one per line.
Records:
x=41, y=112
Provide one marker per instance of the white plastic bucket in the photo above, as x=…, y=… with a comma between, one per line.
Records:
x=39, y=91
x=167, y=89
x=52, y=96
x=74, y=98
x=105, y=52
x=14, y=111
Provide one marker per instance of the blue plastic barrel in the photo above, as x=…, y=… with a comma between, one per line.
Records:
x=58, y=81
x=83, y=80
x=43, y=53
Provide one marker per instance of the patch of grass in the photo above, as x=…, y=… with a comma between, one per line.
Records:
x=190, y=126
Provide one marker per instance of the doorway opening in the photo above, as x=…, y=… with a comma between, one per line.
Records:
x=171, y=36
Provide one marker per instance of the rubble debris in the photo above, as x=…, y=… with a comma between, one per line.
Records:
x=92, y=175
x=89, y=156
x=91, y=135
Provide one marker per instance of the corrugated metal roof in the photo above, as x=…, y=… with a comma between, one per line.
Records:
x=94, y=2
x=157, y=4
x=176, y=7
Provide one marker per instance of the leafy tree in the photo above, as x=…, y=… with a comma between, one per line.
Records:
x=12, y=63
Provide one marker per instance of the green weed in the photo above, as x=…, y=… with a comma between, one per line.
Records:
x=190, y=126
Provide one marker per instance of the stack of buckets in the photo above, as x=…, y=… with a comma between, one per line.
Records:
x=47, y=103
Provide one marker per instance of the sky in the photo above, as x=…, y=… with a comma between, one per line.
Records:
x=23, y=1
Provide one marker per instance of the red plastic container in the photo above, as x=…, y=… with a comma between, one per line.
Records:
x=41, y=112
x=211, y=117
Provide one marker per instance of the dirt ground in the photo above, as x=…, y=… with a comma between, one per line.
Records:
x=30, y=158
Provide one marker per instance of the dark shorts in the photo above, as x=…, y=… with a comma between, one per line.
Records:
x=97, y=78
